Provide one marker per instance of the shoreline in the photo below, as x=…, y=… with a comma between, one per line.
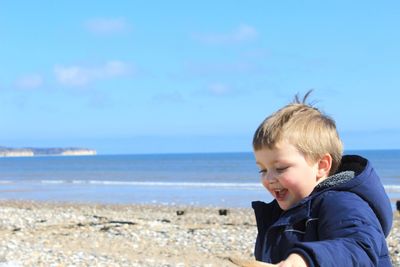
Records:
x=81, y=234
x=225, y=195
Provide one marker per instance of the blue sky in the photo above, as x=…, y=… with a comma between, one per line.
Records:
x=185, y=76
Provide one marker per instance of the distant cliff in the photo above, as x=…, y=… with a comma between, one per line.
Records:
x=30, y=152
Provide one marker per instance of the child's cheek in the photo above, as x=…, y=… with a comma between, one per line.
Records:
x=288, y=182
x=265, y=183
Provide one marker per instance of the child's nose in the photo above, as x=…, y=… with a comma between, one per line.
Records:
x=270, y=177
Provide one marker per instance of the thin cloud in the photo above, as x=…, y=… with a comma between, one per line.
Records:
x=222, y=68
x=219, y=89
x=31, y=81
x=107, y=26
x=243, y=33
x=81, y=76
x=170, y=97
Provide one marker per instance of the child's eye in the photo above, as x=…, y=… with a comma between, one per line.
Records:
x=281, y=169
x=263, y=172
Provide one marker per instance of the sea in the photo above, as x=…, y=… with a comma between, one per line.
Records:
x=206, y=179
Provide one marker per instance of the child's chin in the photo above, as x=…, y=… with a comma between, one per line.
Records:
x=284, y=206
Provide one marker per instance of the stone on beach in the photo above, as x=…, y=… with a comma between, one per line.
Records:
x=51, y=234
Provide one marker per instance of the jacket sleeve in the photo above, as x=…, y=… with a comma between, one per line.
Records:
x=349, y=233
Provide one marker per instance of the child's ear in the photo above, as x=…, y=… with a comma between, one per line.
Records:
x=324, y=166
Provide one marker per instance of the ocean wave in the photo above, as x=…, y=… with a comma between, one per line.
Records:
x=178, y=184
x=53, y=182
x=155, y=183
x=391, y=188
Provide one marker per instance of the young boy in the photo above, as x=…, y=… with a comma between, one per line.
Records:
x=328, y=210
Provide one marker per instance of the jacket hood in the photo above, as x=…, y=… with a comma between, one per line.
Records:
x=356, y=175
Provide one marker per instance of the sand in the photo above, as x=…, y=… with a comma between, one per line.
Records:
x=65, y=234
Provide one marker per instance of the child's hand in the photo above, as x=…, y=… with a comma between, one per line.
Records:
x=250, y=263
x=294, y=260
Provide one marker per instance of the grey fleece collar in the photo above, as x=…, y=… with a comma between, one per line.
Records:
x=336, y=179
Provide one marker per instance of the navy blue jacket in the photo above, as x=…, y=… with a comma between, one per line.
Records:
x=343, y=222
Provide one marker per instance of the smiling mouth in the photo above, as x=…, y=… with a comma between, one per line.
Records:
x=280, y=194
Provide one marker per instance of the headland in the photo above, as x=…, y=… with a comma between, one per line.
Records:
x=31, y=152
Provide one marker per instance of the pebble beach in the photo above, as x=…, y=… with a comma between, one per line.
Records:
x=65, y=234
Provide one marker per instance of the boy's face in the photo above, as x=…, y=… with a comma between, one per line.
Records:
x=286, y=173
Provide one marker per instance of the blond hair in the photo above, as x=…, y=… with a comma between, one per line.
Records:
x=313, y=133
